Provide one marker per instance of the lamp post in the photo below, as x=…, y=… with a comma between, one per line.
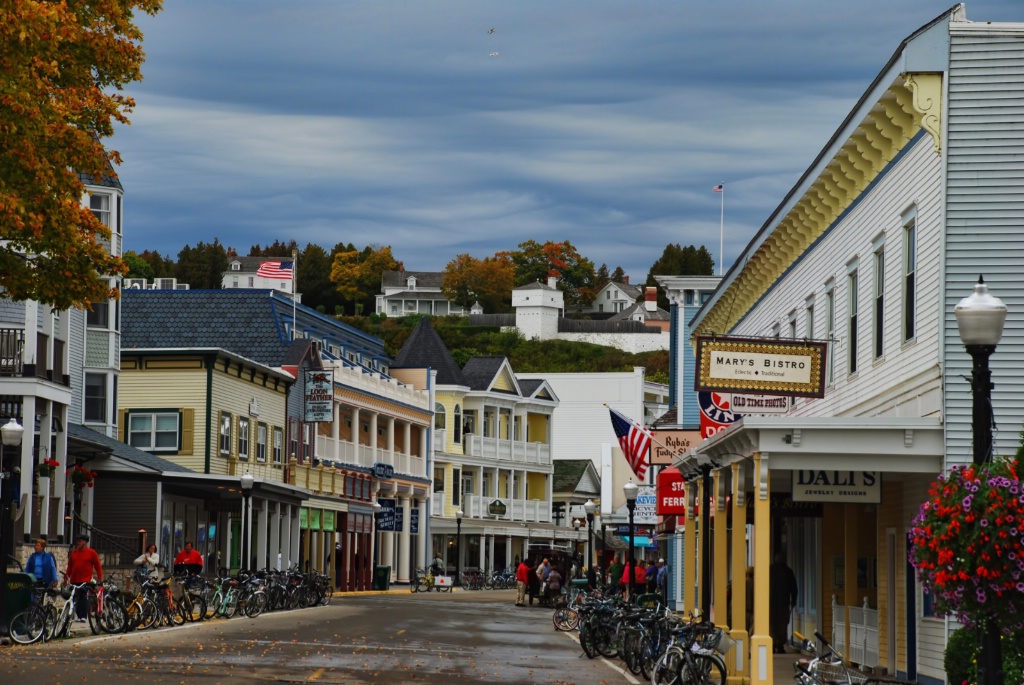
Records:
x=247, y=482
x=458, y=547
x=590, y=508
x=11, y=433
x=629, y=490
x=376, y=534
x=979, y=319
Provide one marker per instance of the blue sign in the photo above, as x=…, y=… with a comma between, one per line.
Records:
x=386, y=517
x=414, y=520
x=383, y=471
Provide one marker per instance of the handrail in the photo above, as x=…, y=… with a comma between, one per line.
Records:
x=107, y=543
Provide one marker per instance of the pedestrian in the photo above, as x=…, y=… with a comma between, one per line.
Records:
x=782, y=592
x=522, y=583
x=553, y=585
x=189, y=560
x=614, y=581
x=543, y=570
x=149, y=561
x=641, y=576
x=437, y=566
x=83, y=563
x=663, y=581
x=42, y=565
x=533, y=580
x=652, y=576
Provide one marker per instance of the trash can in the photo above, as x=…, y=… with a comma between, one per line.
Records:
x=381, y=578
x=579, y=582
x=19, y=596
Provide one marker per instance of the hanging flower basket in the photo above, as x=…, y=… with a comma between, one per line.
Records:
x=968, y=544
x=47, y=467
x=81, y=477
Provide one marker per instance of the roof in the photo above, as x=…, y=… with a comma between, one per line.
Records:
x=529, y=385
x=568, y=473
x=426, y=279
x=425, y=349
x=416, y=295
x=90, y=438
x=536, y=285
x=631, y=291
x=480, y=371
x=658, y=314
x=250, y=323
x=252, y=264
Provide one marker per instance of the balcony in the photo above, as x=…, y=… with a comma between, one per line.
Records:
x=381, y=386
x=512, y=451
x=343, y=453
x=475, y=507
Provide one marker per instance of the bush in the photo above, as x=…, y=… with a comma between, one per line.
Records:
x=961, y=658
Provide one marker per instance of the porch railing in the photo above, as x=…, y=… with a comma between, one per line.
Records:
x=863, y=647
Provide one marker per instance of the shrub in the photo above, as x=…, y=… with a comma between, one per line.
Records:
x=961, y=657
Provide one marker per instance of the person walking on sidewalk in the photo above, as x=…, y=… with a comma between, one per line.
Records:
x=522, y=583
x=42, y=565
x=781, y=602
x=83, y=562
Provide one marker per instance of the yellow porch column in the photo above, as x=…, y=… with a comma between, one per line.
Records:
x=739, y=664
x=850, y=569
x=689, y=549
x=698, y=550
x=720, y=553
x=761, y=661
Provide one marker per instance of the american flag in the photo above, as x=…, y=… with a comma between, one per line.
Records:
x=278, y=269
x=635, y=441
x=720, y=188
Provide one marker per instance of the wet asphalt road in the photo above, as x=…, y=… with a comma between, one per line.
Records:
x=436, y=639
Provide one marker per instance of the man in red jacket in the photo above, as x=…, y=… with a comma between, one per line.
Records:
x=522, y=581
x=82, y=562
x=189, y=559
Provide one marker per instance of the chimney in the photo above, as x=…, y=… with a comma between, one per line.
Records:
x=625, y=279
x=552, y=281
x=651, y=298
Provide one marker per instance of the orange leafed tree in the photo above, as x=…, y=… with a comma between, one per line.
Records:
x=62, y=65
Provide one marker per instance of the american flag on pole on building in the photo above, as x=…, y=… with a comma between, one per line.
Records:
x=720, y=188
x=278, y=269
x=635, y=441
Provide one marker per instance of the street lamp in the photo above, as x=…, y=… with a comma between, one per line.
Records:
x=376, y=534
x=247, y=482
x=979, y=318
x=458, y=546
x=575, y=538
x=590, y=508
x=11, y=433
x=629, y=490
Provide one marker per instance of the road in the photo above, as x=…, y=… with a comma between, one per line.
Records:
x=433, y=639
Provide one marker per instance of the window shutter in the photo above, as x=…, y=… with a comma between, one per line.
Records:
x=187, y=431
x=122, y=419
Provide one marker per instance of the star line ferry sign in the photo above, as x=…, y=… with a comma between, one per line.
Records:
x=761, y=366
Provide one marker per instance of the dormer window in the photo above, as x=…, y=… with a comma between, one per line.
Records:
x=411, y=283
x=235, y=266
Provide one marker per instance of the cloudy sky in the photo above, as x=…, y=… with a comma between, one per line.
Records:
x=446, y=127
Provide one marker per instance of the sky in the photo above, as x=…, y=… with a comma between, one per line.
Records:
x=447, y=127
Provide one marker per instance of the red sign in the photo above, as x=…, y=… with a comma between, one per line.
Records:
x=671, y=493
x=716, y=412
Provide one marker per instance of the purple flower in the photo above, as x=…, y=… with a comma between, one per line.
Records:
x=983, y=523
x=981, y=596
x=966, y=503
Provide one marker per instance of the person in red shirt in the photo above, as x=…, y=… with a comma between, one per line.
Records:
x=82, y=562
x=522, y=582
x=190, y=558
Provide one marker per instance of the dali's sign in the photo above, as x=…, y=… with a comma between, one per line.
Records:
x=837, y=486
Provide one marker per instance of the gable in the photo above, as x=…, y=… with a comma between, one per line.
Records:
x=504, y=381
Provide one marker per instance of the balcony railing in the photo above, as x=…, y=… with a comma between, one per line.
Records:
x=12, y=341
x=514, y=451
x=381, y=386
x=344, y=453
x=476, y=507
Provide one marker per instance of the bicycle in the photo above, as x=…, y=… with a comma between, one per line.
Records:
x=826, y=665
x=424, y=581
x=29, y=625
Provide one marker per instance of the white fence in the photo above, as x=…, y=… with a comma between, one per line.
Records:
x=863, y=647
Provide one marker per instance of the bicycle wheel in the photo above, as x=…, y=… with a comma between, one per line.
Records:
x=587, y=639
x=565, y=619
x=192, y=607
x=28, y=626
x=702, y=670
x=328, y=596
x=50, y=621
x=256, y=604
x=112, y=617
x=666, y=670
x=604, y=641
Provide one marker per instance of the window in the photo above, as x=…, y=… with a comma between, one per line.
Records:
x=688, y=297
x=278, y=446
x=119, y=214
x=792, y=325
x=98, y=316
x=438, y=480
x=439, y=416
x=600, y=307
x=909, y=277
x=457, y=428
x=830, y=330
x=154, y=431
x=851, y=280
x=234, y=281
x=879, y=304
x=456, y=478
x=809, y=319
x=252, y=282
x=608, y=294
x=243, y=438
x=100, y=206
x=96, y=397
x=224, y=441
x=261, y=443
x=307, y=438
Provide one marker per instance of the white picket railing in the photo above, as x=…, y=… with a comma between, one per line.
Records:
x=863, y=647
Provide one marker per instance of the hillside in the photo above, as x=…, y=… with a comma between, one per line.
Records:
x=526, y=356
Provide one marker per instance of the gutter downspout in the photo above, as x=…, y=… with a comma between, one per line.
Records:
x=210, y=362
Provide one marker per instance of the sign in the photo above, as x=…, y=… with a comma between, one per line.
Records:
x=669, y=444
x=671, y=493
x=383, y=471
x=314, y=519
x=646, y=501
x=638, y=531
x=303, y=518
x=318, y=396
x=497, y=508
x=761, y=366
x=749, y=405
x=716, y=413
x=386, y=517
x=328, y=520
x=414, y=520
x=837, y=486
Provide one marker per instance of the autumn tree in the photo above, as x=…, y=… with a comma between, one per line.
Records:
x=575, y=273
x=63, y=66
x=489, y=281
x=357, y=275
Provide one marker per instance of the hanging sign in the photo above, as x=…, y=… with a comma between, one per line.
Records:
x=667, y=445
x=318, y=396
x=386, y=517
x=671, y=493
x=716, y=413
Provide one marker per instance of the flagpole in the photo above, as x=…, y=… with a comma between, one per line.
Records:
x=721, y=235
x=295, y=286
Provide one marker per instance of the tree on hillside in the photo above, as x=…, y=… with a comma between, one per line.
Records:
x=575, y=273
x=618, y=276
x=137, y=266
x=163, y=267
x=357, y=275
x=601, y=278
x=202, y=267
x=489, y=281
x=62, y=67
x=680, y=261
x=278, y=249
x=314, y=279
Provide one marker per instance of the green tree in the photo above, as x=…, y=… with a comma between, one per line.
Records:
x=63, y=66
x=137, y=266
x=203, y=266
x=575, y=273
x=163, y=267
x=314, y=279
x=680, y=261
x=601, y=278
